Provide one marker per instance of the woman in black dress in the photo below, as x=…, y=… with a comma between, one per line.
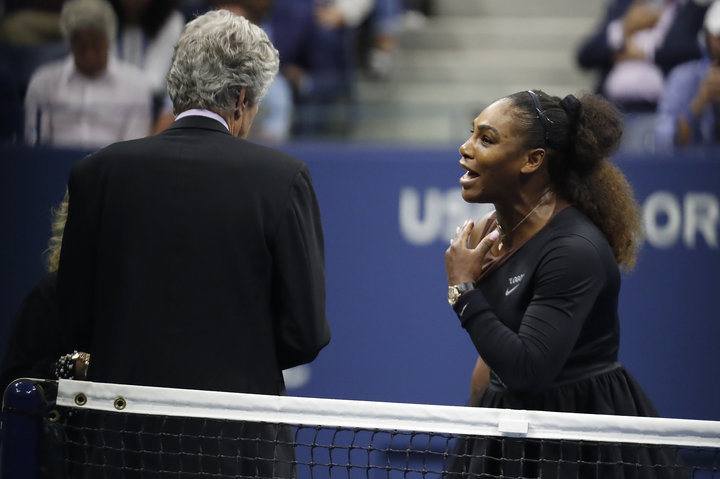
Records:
x=536, y=282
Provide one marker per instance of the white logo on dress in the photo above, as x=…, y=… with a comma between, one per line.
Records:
x=514, y=283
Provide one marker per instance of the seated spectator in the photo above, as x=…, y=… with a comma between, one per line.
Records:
x=147, y=33
x=318, y=62
x=637, y=44
x=689, y=110
x=89, y=99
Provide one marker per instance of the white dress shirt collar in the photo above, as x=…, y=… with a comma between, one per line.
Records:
x=205, y=113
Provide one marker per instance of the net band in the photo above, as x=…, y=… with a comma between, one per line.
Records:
x=385, y=415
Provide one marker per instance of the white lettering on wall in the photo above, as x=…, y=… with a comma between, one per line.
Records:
x=661, y=219
x=433, y=214
x=701, y=219
x=668, y=219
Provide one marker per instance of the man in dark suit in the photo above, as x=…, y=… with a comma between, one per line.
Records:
x=194, y=258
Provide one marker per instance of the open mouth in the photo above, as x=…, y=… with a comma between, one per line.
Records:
x=468, y=178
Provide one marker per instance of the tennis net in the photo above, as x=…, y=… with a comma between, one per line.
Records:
x=108, y=430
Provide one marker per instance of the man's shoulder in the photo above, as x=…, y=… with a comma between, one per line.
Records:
x=281, y=157
x=113, y=152
x=237, y=151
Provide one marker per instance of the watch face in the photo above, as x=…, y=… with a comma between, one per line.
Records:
x=453, y=294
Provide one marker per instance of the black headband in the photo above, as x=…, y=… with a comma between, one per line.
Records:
x=546, y=122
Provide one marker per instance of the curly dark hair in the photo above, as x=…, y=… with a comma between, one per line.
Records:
x=579, y=137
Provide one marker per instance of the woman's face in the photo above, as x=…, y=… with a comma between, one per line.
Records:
x=493, y=155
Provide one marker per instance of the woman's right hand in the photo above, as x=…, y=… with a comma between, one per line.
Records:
x=463, y=264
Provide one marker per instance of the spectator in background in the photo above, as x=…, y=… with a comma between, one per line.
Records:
x=317, y=58
x=147, y=33
x=689, y=109
x=89, y=99
x=637, y=44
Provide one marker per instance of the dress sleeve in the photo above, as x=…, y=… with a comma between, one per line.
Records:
x=567, y=283
x=301, y=326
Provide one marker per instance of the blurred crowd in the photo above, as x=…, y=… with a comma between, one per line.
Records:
x=85, y=73
x=660, y=61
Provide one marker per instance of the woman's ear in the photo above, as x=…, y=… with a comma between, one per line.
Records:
x=534, y=160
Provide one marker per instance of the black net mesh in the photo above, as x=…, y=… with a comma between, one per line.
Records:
x=93, y=444
x=77, y=442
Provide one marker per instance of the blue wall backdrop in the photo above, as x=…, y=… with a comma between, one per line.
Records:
x=388, y=213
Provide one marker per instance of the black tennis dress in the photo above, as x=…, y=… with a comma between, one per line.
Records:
x=545, y=320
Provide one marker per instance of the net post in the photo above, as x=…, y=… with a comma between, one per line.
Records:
x=20, y=433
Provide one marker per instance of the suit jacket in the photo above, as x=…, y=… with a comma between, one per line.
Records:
x=193, y=259
x=679, y=45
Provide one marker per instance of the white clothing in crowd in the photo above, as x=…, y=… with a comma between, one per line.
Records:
x=64, y=108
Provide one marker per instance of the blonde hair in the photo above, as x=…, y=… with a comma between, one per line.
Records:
x=59, y=216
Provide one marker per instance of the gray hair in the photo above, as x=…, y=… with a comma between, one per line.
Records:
x=218, y=54
x=88, y=15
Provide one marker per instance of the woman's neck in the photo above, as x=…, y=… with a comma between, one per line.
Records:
x=520, y=221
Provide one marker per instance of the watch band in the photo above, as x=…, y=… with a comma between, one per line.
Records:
x=457, y=290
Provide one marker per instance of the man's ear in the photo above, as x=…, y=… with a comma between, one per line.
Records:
x=534, y=160
x=240, y=103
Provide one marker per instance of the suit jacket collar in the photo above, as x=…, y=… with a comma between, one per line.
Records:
x=200, y=122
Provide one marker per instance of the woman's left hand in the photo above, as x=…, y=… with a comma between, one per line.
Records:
x=462, y=263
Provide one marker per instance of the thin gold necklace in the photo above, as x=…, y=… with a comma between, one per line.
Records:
x=503, y=235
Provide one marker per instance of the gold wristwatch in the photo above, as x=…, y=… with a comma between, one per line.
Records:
x=456, y=290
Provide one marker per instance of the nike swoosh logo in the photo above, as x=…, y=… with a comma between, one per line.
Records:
x=463, y=309
x=510, y=290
